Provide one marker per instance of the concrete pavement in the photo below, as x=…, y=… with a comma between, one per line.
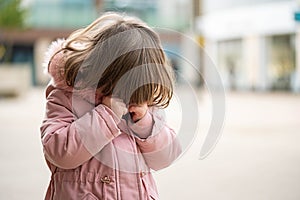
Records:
x=257, y=157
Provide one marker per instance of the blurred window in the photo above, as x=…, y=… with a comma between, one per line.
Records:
x=144, y=9
x=62, y=13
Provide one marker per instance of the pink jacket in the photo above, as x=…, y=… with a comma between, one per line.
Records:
x=94, y=155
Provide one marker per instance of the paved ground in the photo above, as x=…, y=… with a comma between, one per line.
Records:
x=257, y=158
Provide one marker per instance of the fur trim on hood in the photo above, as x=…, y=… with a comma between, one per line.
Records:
x=54, y=63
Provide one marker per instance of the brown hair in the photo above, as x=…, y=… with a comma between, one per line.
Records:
x=120, y=56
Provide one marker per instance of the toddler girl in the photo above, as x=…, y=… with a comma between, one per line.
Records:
x=103, y=131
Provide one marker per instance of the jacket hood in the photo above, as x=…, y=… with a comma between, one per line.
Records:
x=54, y=63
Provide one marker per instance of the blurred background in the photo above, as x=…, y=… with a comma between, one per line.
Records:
x=254, y=44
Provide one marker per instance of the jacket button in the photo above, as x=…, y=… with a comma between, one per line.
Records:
x=105, y=179
x=142, y=174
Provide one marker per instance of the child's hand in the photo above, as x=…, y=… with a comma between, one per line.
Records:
x=137, y=112
x=117, y=105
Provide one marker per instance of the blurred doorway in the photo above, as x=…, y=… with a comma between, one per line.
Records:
x=280, y=61
x=230, y=58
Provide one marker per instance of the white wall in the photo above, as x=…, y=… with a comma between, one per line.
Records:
x=263, y=19
x=215, y=5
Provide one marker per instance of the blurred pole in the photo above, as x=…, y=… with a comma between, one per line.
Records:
x=197, y=9
x=255, y=62
x=99, y=5
x=296, y=84
x=251, y=62
x=197, y=13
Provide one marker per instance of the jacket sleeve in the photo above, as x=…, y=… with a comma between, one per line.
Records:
x=161, y=147
x=69, y=141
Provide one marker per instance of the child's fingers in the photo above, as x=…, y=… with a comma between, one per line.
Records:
x=137, y=112
x=117, y=105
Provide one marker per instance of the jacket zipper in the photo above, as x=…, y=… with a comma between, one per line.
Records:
x=137, y=167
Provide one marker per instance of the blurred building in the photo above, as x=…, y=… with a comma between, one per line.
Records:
x=254, y=43
x=46, y=20
x=51, y=19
